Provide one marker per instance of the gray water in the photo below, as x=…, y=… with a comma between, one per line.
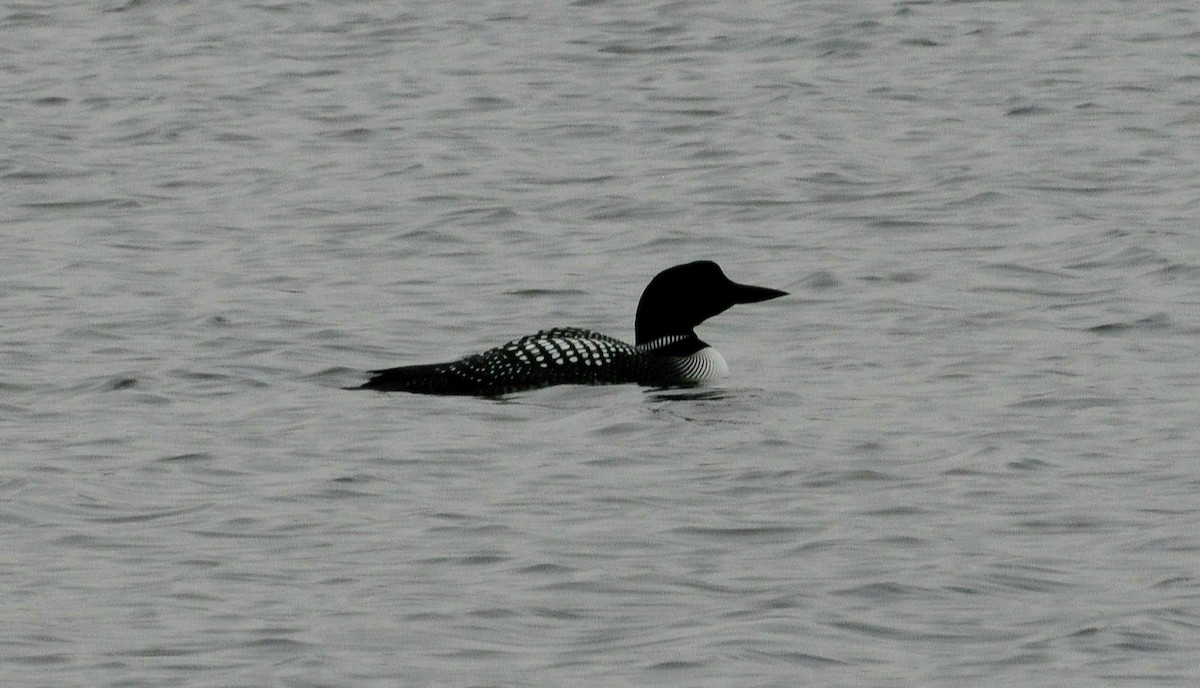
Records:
x=963, y=452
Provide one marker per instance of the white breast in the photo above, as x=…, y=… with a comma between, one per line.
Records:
x=706, y=364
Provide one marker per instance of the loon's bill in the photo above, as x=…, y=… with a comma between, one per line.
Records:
x=667, y=353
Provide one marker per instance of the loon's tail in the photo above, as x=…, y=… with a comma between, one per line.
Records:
x=423, y=379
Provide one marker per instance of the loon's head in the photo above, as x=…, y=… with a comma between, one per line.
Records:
x=679, y=298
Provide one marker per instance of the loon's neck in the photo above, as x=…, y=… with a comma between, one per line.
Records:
x=681, y=344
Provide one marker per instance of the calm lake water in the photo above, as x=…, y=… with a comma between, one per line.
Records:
x=964, y=451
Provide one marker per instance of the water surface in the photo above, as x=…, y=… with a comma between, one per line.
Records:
x=962, y=452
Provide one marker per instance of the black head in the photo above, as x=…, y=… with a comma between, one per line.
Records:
x=684, y=296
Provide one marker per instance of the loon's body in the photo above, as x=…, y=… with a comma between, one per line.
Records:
x=667, y=354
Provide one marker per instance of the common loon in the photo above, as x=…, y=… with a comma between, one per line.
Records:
x=668, y=353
